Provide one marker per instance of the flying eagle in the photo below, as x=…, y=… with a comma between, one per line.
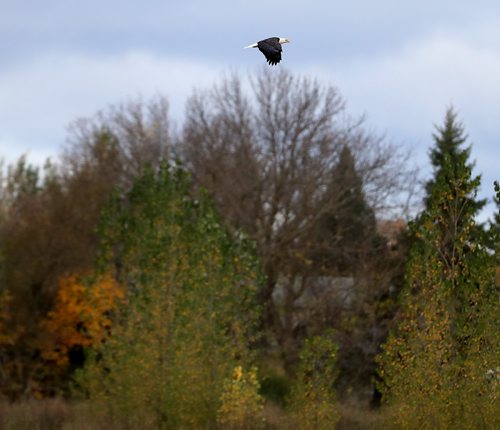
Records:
x=271, y=48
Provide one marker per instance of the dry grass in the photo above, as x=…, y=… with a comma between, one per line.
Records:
x=275, y=417
x=36, y=415
x=58, y=414
x=357, y=416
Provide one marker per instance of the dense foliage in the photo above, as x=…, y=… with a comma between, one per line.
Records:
x=435, y=365
x=253, y=282
x=190, y=308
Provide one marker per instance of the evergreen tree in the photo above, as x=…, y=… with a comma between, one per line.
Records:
x=434, y=365
x=494, y=224
x=347, y=234
x=496, y=218
x=352, y=247
x=449, y=149
x=494, y=234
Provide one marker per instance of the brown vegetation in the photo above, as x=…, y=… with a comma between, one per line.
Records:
x=243, y=273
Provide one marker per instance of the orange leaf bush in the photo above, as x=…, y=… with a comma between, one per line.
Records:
x=80, y=316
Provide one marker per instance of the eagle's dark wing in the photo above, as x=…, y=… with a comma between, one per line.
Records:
x=271, y=49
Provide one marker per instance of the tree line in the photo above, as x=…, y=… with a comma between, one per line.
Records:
x=140, y=271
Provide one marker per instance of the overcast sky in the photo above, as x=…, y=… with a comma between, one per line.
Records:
x=399, y=62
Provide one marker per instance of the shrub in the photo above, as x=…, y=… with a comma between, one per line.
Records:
x=313, y=403
x=241, y=404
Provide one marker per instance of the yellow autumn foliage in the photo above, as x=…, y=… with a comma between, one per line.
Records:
x=8, y=336
x=434, y=368
x=80, y=316
x=189, y=316
x=241, y=404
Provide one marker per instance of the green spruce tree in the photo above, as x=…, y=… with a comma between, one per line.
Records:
x=347, y=233
x=494, y=224
x=434, y=366
x=450, y=155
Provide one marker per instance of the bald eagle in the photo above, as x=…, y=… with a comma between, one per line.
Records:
x=271, y=48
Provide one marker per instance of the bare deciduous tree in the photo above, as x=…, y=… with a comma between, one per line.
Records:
x=267, y=153
x=139, y=134
x=48, y=221
x=267, y=157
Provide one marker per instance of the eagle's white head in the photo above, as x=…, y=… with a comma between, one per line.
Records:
x=284, y=40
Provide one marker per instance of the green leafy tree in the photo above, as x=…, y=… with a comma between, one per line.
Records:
x=189, y=312
x=241, y=402
x=313, y=401
x=434, y=367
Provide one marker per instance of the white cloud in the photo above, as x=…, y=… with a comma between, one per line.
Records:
x=405, y=92
x=416, y=83
x=41, y=97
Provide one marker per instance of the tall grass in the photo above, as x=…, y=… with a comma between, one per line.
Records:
x=59, y=414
